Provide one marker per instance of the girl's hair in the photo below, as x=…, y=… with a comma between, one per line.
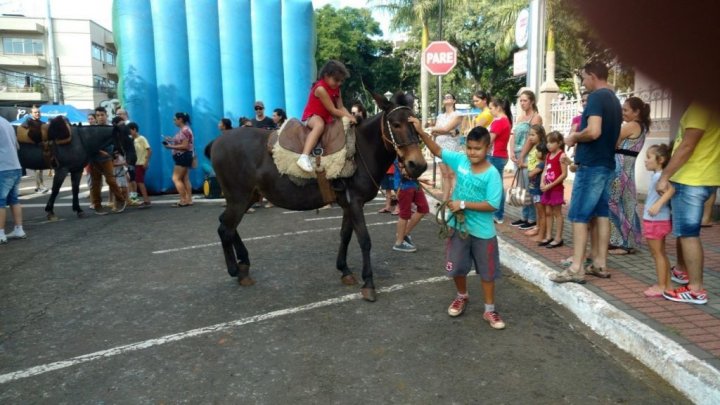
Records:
x=555, y=136
x=227, y=124
x=542, y=148
x=636, y=104
x=482, y=95
x=479, y=134
x=281, y=113
x=531, y=96
x=334, y=69
x=504, y=104
x=453, y=97
x=661, y=151
x=185, y=117
x=540, y=131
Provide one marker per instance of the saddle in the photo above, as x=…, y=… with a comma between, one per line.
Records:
x=293, y=134
x=57, y=132
x=36, y=133
x=333, y=159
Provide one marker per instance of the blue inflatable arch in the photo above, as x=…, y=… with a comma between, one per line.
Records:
x=211, y=59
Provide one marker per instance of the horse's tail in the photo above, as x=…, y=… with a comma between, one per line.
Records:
x=207, y=149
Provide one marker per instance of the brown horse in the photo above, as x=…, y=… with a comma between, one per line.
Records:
x=72, y=158
x=245, y=168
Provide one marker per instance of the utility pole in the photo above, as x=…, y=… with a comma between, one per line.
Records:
x=54, y=76
x=439, y=78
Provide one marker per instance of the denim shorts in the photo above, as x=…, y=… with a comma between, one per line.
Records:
x=687, y=209
x=9, y=184
x=590, y=193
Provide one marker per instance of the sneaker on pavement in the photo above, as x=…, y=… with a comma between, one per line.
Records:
x=408, y=239
x=101, y=211
x=498, y=221
x=519, y=222
x=405, y=247
x=685, y=294
x=457, y=307
x=568, y=276
x=493, y=318
x=3, y=240
x=528, y=225
x=305, y=164
x=118, y=208
x=679, y=276
x=134, y=203
x=17, y=234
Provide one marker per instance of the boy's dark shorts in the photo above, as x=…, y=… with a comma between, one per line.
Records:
x=462, y=254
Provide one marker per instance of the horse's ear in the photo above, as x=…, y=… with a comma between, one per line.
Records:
x=383, y=103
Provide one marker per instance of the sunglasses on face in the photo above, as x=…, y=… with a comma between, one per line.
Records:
x=259, y=108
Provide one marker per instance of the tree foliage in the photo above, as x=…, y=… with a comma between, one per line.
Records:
x=350, y=35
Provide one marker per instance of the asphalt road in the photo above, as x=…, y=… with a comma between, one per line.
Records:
x=138, y=308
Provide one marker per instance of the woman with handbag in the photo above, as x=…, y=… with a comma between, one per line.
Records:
x=183, y=151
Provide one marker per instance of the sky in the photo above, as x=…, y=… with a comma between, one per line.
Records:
x=101, y=10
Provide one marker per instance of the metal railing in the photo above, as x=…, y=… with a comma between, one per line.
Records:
x=563, y=111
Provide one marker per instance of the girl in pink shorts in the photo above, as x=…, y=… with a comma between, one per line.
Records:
x=656, y=219
x=553, y=191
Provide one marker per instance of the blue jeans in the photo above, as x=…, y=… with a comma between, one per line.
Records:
x=590, y=193
x=9, y=184
x=687, y=209
x=528, y=211
x=499, y=164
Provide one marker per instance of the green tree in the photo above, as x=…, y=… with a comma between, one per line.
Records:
x=347, y=35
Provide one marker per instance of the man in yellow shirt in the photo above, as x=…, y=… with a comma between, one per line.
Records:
x=694, y=172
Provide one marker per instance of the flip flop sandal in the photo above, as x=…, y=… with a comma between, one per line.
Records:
x=597, y=271
x=567, y=277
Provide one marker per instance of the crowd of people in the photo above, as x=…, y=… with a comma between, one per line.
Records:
x=601, y=149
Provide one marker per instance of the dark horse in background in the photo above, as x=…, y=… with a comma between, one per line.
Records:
x=245, y=168
x=72, y=158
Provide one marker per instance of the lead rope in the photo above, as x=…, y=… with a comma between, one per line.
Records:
x=442, y=221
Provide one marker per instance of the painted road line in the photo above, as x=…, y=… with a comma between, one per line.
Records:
x=265, y=237
x=133, y=347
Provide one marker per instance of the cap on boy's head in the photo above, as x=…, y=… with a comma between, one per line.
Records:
x=259, y=104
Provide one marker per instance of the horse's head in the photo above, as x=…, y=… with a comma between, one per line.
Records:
x=124, y=142
x=399, y=133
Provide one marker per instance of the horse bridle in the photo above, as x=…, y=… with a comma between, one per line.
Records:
x=392, y=141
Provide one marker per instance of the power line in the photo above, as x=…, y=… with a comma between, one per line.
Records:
x=48, y=80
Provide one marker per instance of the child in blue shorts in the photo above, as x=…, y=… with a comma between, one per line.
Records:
x=477, y=194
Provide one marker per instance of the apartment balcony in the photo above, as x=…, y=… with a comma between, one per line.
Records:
x=21, y=25
x=22, y=95
x=23, y=60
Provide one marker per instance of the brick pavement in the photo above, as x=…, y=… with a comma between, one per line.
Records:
x=695, y=327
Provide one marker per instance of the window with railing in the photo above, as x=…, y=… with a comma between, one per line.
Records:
x=23, y=46
x=98, y=52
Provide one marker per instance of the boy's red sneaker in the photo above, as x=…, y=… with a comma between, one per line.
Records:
x=493, y=318
x=457, y=307
x=679, y=276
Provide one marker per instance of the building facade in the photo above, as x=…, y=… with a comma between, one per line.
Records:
x=85, y=58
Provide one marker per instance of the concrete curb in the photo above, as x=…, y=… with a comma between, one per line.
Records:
x=699, y=381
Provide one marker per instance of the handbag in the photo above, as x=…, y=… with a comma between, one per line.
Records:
x=518, y=195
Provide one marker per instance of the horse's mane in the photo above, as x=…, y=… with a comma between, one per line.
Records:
x=58, y=128
x=403, y=99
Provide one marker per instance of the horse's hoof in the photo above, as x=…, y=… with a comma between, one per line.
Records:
x=368, y=294
x=52, y=217
x=246, y=281
x=348, y=279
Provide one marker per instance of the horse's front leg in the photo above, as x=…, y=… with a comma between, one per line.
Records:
x=360, y=227
x=58, y=179
x=75, y=178
x=345, y=236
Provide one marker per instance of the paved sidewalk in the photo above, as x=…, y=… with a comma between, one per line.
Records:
x=695, y=328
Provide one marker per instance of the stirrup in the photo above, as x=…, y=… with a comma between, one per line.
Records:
x=317, y=151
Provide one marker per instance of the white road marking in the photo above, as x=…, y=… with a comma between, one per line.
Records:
x=265, y=237
x=132, y=347
x=338, y=217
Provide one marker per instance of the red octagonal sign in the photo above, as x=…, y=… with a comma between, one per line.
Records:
x=439, y=58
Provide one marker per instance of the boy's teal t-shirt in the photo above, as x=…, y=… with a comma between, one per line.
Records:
x=474, y=187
